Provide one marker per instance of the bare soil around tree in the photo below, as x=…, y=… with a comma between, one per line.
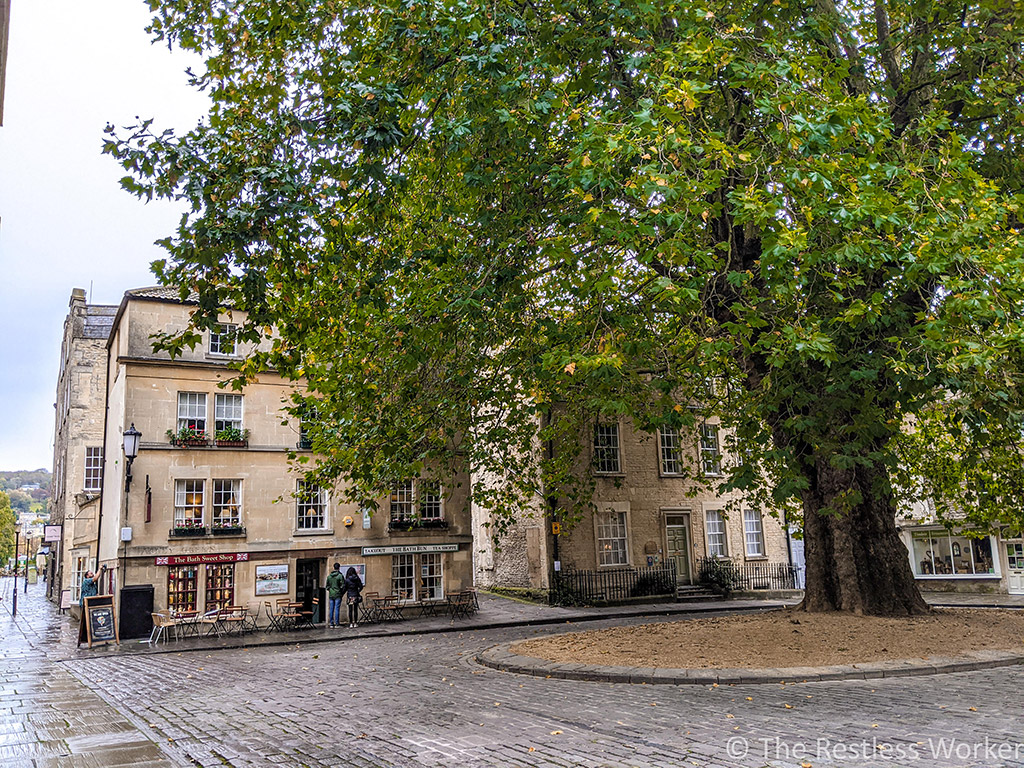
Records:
x=785, y=639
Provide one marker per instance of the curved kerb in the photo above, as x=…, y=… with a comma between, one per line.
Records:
x=500, y=657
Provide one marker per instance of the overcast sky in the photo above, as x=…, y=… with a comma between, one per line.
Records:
x=65, y=223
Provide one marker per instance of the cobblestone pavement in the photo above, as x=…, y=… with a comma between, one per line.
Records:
x=47, y=716
x=420, y=700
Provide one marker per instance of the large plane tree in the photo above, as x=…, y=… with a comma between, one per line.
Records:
x=474, y=226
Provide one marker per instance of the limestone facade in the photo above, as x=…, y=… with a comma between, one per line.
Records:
x=645, y=514
x=219, y=522
x=78, y=443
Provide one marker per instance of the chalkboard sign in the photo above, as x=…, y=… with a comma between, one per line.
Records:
x=65, y=599
x=99, y=619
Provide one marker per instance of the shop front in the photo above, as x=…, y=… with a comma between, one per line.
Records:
x=955, y=561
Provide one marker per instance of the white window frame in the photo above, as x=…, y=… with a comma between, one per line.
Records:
x=431, y=582
x=430, y=500
x=79, y=567
x=670, y=451
x=227, y=411
x=611, y=526
x=402, y=502
x=227, y=493
x=710, y=450
x=715, y=527
x=192, y=411
x=184, y=505
x=221, y=336
x=93, y=468
x=313, y=498
x=607, y=448
x=399, y=580
x=753, y=533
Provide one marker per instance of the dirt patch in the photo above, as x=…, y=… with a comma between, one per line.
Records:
x=784, y=639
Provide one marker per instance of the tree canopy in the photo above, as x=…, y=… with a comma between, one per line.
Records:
x=474, y=225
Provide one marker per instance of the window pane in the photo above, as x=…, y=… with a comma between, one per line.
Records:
x=222, y=340
x=182, y=587
x=710, y=453
x=311, y=507
x=228, y=412
x=716, y=533
x=430, y=501
x=431, y=577
x=188, y=503
x=93, y=469
x=606, y=448
x=403, y=576
x=227, y=503
x=670, y=453
x=753, y=533
x=401, y=501
x=192, y=411
x=924, y=564
x=220, y=586
x=982, y=549
x=611, y=539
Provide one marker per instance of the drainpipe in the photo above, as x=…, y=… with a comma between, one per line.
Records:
x=106, y=422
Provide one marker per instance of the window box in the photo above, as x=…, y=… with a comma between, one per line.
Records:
x=189, y=530
x=188, y=437
x=192, y=442
x=228, y=530
x=415, y=525
x=232, y=443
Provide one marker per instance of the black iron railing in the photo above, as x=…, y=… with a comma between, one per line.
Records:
x=727, y=576
x=573, y=587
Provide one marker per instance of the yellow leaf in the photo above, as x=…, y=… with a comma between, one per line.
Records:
x=556, y=733
x=585, y=161
x=570, y=368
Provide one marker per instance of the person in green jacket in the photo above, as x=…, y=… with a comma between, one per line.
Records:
x=335, y=592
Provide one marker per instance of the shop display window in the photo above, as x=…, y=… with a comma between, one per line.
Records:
x=220, y=586
x=182, y=587
x=938, y=553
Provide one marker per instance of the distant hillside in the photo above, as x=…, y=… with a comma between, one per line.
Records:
x=15, y=480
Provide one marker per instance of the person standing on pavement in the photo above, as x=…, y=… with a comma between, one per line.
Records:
x=353, y=590
x=90, y=584
x=335, y=592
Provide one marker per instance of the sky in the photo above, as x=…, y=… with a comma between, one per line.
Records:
x=65, y=223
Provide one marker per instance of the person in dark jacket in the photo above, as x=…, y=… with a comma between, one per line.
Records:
x=335, y=592
x=353, y=588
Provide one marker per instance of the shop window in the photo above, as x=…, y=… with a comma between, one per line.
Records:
x=182, y=587
x=403, y=576
x=192, y=413
x=93, y=469
x=938, y=553
x=671, y=454
x=753, y=533
x=220, y=586
x=710, y=450
x=311, y=507
x=612, y=544
x=431, y=577
x=606, y=449
x=715, y=529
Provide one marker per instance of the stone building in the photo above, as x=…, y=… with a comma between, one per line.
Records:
x=646, y=514
x=215, y=513
x=78, y=443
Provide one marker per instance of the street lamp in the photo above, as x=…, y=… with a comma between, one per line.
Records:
x=132, y=437
x=28, y=554
x=14, y=596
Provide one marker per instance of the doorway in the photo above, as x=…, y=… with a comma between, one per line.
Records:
x=307, y=588
x=677, y=537
x=1015, y=567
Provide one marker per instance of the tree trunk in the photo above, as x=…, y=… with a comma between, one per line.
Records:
x=856, y=561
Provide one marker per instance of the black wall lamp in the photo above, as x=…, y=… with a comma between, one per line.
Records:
x=131, y=437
